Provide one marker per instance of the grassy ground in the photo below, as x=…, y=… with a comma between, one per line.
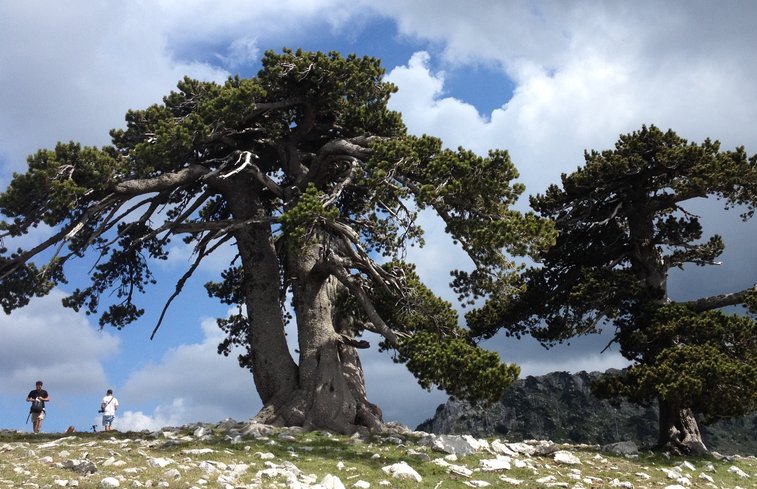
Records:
x=40, y=461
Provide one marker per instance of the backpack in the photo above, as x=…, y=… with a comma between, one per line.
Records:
x=37, y=406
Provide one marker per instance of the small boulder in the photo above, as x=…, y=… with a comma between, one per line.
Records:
x=109, y=482
x=567, y=458
x=621, y=448
x=331, y=482
x=401, y=470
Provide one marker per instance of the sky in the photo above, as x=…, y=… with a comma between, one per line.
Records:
x=545, y=80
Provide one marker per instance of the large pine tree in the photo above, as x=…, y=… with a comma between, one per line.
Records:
x=623, y=226
x=317, y=186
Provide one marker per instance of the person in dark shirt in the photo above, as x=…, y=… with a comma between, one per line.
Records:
x=36, y=397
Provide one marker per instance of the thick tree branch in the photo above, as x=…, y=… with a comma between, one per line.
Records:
x=257, y=173
x=359, y=258
x=341, y=185
x=377, y=325
x=351, y=150
x=719, y=301
x=166, y=181
x=221, y=226
x=360, y=344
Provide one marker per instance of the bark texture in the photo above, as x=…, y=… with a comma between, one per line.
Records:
x=679, y=431
x=330, y=391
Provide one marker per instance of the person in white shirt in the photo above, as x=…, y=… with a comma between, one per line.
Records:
x=108, y=407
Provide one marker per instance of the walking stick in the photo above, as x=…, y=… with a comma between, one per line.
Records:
x=28, y=416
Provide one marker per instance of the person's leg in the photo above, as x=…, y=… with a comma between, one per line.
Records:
x=37, y=421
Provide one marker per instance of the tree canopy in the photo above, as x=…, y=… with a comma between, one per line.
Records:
x=623, y=225
x=317, y=186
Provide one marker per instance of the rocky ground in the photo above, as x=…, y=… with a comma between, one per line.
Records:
x=247, y=455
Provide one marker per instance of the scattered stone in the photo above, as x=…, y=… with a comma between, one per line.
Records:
x=621, y=448
x=544, y=459
x=331, y=482
x=510, y=480
x=522, y=448
x=621, y=484
x=80, y=466
x=567, y=458
x=501, y=448
x=159, y=462
x=419, y=455
x=476, y=483
x=499, y=463
x=460, y=470
x=706, y=477
x=738, y=472
x=198, y=451
x=544, y=447
x=109, y=482
x=547, y=479
x=455, y=444
x=401, y=470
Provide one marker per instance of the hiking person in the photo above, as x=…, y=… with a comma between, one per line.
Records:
x=37, y=397
x=108, y=408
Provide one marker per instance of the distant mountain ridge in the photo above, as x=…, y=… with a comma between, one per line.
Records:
x=559, y=406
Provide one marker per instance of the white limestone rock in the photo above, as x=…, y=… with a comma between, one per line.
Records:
x=567, y=458
x=331, y=482
x=547, y=479
x=109, y=482
x=522, y=448
x=738, y=472
x=706, y=477
x=621, y=484
x=510, y=480
x=455, y=444
x=197, y=451
x=401, y=470
x=501, y=448
x=492, y=465
x=159, y=462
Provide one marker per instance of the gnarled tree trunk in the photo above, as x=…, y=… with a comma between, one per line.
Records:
x=331, y=388
x=273, y=369
x=679, y=431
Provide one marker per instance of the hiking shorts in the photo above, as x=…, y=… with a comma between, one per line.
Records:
x=38, y=416
x=108, y=419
